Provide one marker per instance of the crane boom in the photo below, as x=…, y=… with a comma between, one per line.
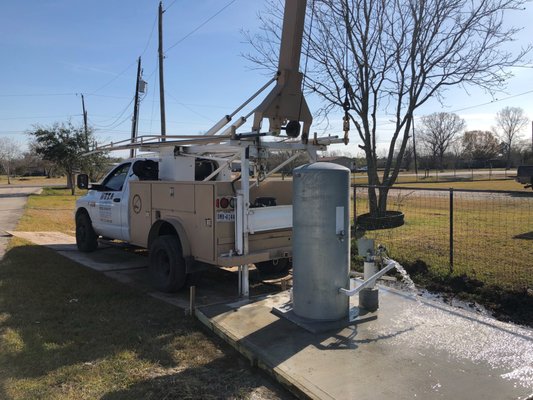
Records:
x=286, y=101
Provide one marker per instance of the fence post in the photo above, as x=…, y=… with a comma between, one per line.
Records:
x=451, y=230
x=354, y=205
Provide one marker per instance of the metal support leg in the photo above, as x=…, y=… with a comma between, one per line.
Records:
x=239, y=273
x=244, y=282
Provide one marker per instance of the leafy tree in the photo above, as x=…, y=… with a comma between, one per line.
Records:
x=389, y=57
x=510, y=121
x=9, y=152
x=49, y=168
x=480, y=146
x=438, y=132
x=64, y=144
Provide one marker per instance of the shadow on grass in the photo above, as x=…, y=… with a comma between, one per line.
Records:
x=524, y=236
x=196, y=383
x=63, y=325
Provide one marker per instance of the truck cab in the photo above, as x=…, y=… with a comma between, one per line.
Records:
x=106, y=204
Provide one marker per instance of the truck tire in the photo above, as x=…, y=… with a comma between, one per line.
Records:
x=167, y=265
x=86, y=237
x=273, y=266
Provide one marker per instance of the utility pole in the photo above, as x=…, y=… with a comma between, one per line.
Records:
x=85, y=123
x=161, y=79
x=134, y=125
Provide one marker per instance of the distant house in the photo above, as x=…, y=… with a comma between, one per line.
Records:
x=344, y=161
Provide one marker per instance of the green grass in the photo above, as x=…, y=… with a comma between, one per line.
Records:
x=492, y=236
x=52, y=210
x=33, y=180
x=67, y=332
x=483, y=181
x=502, y=184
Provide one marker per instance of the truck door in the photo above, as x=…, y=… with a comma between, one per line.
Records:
x=112, y=198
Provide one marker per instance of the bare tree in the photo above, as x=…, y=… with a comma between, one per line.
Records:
x=438, y=132
x=480, y=146
x=510, y=121
x=9, y=152
x=388, y=57
x=408, y=156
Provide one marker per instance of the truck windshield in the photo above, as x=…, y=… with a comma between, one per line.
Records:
x=115, y=180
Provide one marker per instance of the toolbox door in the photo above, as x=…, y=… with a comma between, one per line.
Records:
x=203, y=237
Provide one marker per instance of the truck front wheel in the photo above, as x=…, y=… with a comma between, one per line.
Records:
x=86, y=237
x=167, y=266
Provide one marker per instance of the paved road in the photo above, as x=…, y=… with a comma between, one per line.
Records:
x=12, y=201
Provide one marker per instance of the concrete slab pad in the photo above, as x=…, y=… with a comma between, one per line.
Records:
x=414, y=349
x=105, y=258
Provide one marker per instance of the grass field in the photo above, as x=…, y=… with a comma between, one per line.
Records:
x=492, y=242
x=492, y=235
x=501, y=184
x=51, y=211
x=33, y=180
x=482, y=180
x=67, y=332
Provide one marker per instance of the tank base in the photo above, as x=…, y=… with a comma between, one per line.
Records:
x=355, y=316
x=369, y=299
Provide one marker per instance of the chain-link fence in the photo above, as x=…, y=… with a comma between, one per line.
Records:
x=487, y=235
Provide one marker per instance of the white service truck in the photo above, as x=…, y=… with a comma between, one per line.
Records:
x=185, y=224
x=185, y=206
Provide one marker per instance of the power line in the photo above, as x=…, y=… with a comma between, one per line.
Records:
x=130, y=65
x=149, y=36
x=39, y=117
x=493, y=101
x=171, y=4
x=200, y=26
x=36, y=94
x=189, y=108
x=113, y=79
x=119, y=115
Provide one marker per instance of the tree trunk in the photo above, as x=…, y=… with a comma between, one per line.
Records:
x=70, y=183
x=372, y=201
x=378, y=201
x=382, y=203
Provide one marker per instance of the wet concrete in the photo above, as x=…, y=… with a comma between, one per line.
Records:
x=413, y=349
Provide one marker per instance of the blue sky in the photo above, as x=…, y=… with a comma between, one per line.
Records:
x=53, y=50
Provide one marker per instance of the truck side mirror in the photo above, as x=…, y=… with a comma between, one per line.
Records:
x=82, y=181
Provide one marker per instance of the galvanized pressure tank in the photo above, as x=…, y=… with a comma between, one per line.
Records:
x=321, y=241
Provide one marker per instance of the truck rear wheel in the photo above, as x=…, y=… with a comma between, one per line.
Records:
x=273, y=266
x=86, y=237
x=167, y=265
